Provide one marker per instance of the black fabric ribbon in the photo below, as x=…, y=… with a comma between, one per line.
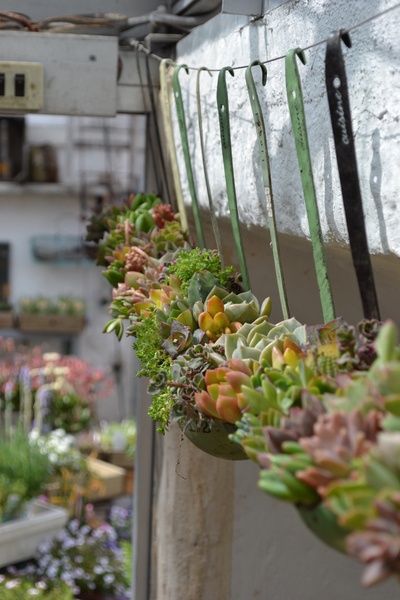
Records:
x=339, y=106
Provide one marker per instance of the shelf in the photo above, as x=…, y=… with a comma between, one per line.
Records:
x=9, y=188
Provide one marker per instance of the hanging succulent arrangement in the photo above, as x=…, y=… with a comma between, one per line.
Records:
x=317, y=407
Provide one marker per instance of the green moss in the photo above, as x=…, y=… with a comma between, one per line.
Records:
x=160, y=409
x=148, y=348
x=189, y=262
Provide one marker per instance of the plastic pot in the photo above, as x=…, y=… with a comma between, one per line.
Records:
x=214, y=440
x=323, y=523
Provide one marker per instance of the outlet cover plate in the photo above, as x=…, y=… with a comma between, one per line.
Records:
x=34, y=83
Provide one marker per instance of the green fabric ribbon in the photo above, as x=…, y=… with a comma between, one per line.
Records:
x=180, y=111
x=223, y=113
x=266, y=173
x=299, y=127
x=214, y=220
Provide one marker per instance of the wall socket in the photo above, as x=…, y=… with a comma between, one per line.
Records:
x=21, y=86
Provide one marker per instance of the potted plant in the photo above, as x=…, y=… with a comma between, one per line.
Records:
x=6, y=315
x=63, y=315
x=118, y=442
x=317, y=407
x=24, y=471
x=87, y=559
x=117, y=445
x=70, y=479
x=175, y=300
x=55, y=391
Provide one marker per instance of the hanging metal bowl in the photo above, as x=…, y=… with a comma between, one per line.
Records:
x=323, y=523
x=213, y=439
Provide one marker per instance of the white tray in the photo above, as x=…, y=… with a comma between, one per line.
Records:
x=19, y=539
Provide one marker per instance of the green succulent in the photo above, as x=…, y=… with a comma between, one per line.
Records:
x=169, y=238
x=190, y=262
x=256, y=340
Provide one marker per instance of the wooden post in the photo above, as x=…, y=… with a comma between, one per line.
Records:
x=194, y=523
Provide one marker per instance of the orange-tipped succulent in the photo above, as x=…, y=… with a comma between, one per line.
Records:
x=214, y=320
x=223, y=398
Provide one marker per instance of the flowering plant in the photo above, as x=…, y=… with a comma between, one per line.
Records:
x=65, y=386
x=16, y=588
x=121, y=519
x=61, y=450
x=84, y=558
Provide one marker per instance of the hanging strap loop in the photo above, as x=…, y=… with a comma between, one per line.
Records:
x=223, y=114
x=214, y=221
x=165, y=102
x=340, y=112
x=180, y=111
x=299, y=127
x=157, y=130
x=266, y=173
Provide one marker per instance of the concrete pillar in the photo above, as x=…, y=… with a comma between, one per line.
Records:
x=194, y=523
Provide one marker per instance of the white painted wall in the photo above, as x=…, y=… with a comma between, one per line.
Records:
x=23, y=216
x=274, y=556
x=374, y=80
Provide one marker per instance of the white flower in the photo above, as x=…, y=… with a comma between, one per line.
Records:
x=41, y=585
x=33, y=592
x=108, y=579
x=13, y=583
x=98, y=570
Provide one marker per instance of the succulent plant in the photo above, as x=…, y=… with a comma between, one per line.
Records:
x=214, y=320
x=378, y=388
x=378, y=545
x=179, y=339
x=191, y=262
x=222, y=398
x=298, y=424
x=223, y=312
x=255, y=340
x=136, y=260
x=163, y=213
x=187, y=378
x=280, y=478
x=168, y=238
x=339, y=439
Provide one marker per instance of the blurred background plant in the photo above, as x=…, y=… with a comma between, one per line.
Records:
x=15, y=588
x=64, y=305
x=24, y=471
x=84, y=558
x=119, y=437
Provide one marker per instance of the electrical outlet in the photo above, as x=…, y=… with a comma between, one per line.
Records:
x=21, y=86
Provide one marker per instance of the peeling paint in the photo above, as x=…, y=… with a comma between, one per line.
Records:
x=374, y=81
